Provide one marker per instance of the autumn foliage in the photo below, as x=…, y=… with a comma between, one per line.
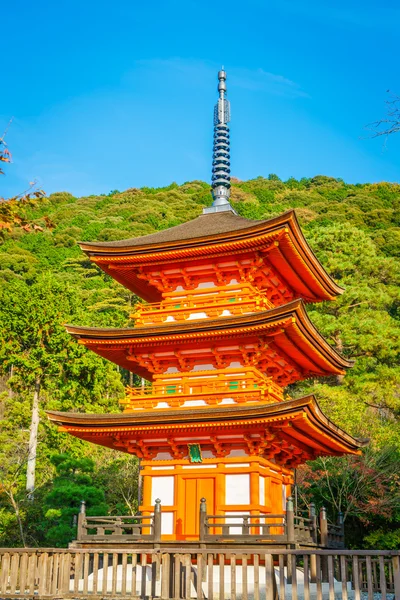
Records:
x=12, y=210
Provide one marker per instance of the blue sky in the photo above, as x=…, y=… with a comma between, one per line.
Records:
x=116, y=95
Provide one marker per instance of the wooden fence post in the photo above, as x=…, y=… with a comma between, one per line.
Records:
x=157, y=521
x=323, y=528
x=396, y=576
x=289, y=535
x=314, y=535
x=290, y=520
x=81, y=529
x=202, y=519
x=340, y=522
x=313, y=522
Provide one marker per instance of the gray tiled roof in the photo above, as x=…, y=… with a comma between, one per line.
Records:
x=204, y=225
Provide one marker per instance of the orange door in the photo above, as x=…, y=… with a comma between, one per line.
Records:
x=195, y=489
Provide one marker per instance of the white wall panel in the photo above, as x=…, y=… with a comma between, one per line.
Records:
x=167, y=522
x=239, y=521
x=237, y=489
x=163, y=488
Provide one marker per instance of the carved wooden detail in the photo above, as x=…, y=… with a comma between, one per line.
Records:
x=219, y=449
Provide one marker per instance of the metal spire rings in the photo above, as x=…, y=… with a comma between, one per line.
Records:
x=221, y=179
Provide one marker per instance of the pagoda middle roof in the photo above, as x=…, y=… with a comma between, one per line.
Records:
x=287, y=327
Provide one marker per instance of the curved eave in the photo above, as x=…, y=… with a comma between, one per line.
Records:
x=303, y=415
x=295, y=334
x=293, y=253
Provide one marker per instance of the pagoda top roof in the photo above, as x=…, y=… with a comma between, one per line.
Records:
x=206, y=225
x=307, y=422
x=218, y=234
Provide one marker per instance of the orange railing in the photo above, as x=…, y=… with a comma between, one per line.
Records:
x=213, y=387
x=201, y=303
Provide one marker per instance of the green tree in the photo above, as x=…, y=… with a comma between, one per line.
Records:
x=43, y=358
x=73, y=483
x=14, y=458
x=119, y=475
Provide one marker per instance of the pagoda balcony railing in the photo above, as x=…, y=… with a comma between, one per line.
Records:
x=198, y=304
x=126, y=528
x=211, y=391
x=280, y=528
x=286, y=528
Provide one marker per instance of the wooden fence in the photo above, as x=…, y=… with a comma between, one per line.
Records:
x=117, y=529
x=287, y=528
x=184, y=574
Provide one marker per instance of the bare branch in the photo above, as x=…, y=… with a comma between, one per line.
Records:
x=6, y=130
x=389, y=125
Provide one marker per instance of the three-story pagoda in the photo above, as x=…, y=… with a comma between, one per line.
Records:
x=223, y=330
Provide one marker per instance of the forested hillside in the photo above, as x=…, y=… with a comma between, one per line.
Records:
x=46, y=281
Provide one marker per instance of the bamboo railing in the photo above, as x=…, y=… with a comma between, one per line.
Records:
x=196, y=574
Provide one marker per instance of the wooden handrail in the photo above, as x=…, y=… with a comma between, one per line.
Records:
x=212, y=388
x=205, y=294
x=238, y=299
x=122, y=528
x=114, y=518
x=287, y=527
x=198, y=303
x=247, y=516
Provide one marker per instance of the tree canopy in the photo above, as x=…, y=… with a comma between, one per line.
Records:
x=354, y=229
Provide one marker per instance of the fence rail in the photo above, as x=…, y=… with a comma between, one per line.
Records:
x=247, y=527
x=287, y=528
x=119, y=528
x=193, y=574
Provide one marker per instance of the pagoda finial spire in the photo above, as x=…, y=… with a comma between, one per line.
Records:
x=221, y=179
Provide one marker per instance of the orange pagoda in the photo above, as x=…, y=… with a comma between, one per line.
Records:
x=223, y=330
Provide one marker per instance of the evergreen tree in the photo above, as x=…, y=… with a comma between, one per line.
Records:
x=73, y=483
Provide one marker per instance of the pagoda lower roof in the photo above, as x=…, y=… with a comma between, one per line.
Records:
x=285, y=333
x=213, y=235
x=298, y=423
